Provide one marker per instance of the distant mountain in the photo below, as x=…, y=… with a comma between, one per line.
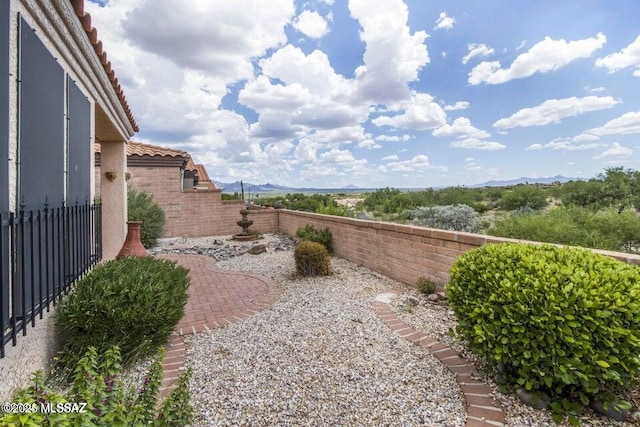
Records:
x=232, y=187
x=525, y=180
x=350, y=187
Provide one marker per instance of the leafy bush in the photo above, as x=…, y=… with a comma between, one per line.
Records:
x=425, y=285
x=311, y=234
x=522, y=196
x=141, y=207
x=605, y=229
x=312, y=259
x=132, y=302
x=451, y=217
x=560, y=321
x=97, y=383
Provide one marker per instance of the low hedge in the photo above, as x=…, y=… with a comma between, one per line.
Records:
x=560, y=321
x=312, y=259
x=133, y=303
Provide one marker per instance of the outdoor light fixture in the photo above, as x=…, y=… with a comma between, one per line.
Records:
x=111, y=176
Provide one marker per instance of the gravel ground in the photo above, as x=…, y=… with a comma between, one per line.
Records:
x=320, y=356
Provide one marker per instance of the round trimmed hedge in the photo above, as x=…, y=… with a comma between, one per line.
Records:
x=558, y=320
x=312, y=259
x=133, y=303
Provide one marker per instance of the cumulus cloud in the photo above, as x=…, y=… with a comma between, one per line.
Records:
x=554, y=110
x=615, y=151
x=461, y=127
x=393, y=138
x=311, y=24
x=393, y=56
x=626, y=124
x=480, y=50
x=477, y=144
x=460, y=105
x=563, y=144
x=226, y=45
x=627, y=57
x=417, y=163
x=391, y=158
x=420, y=114
x=444, y=22
x=544, y=56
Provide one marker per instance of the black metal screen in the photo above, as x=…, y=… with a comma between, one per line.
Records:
x=79, y=148
x=4, y=153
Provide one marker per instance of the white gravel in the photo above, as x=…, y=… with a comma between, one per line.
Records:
x=318, y=356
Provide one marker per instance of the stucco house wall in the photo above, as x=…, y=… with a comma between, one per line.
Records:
x=65, y=31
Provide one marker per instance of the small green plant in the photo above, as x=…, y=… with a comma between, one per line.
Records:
x=132, y=302
x=559, y=321
x=323, y=236
x=312, y=259
x=97, y=397
x=425, y=285
x=141, y=207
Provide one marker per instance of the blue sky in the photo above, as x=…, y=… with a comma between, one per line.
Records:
x=413, y=93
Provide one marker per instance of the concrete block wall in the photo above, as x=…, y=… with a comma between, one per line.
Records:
x=401, y=252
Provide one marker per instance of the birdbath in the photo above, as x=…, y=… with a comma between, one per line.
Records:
x=245, y=223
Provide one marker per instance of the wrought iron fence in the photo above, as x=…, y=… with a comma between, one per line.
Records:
x=43, y=253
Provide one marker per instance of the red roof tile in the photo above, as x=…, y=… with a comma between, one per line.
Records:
x=92, y=33
x=203, y=176
x=141, y=149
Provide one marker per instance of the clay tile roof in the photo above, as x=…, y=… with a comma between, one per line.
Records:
x=140, y=149
x=190, y=165
x=92, y=33
x=203, y=176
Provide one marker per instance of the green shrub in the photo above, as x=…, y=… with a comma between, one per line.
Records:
x=560, y=321
x=97, y=384
x=312, y=259
x=523, y=196
x=323, y=236
x=450, y=217
x=132, y=302
x=425, y=285
x=141, y=207
x=605, y=229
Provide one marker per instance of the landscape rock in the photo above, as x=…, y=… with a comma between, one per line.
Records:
x=433, y=297
x=610, y=412
x=257, y=250
x=535, y=400
x=442, y=296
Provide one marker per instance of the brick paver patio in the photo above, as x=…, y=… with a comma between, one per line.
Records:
x=216, y=298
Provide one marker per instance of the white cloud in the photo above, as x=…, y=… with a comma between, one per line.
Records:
x=461, y=127
x=416, y=164
x=628, y=123
x=369, y=144
x=564, y=145
x=554, y=110
x=460, y=105
x=394, y=138
x=544, y=56
x=480, y=50
x=393, y=56
x=616, y=151
x=627, y=57
x=391, y=158
x=477, y=144
x=311, y=24
x=420, y=114
x=444, y=22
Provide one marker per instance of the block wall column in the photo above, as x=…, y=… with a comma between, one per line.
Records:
x=113, y=193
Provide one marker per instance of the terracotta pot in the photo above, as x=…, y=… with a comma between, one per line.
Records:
x=132, y=245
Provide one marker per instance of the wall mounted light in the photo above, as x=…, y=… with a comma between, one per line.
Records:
x=111, y=176
x=127, y=175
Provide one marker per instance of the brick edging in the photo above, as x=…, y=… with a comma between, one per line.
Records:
x=482, y=409
x=175, y=348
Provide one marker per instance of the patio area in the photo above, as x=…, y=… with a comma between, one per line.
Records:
x=270, y=348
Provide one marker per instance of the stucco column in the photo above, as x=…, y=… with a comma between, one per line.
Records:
x=113, y=193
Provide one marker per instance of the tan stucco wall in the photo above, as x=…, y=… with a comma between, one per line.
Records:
x=113, y=195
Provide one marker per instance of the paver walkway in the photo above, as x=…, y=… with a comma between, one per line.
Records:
x=216, y=298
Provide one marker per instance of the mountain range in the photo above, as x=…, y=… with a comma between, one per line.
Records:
x=232, y=187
